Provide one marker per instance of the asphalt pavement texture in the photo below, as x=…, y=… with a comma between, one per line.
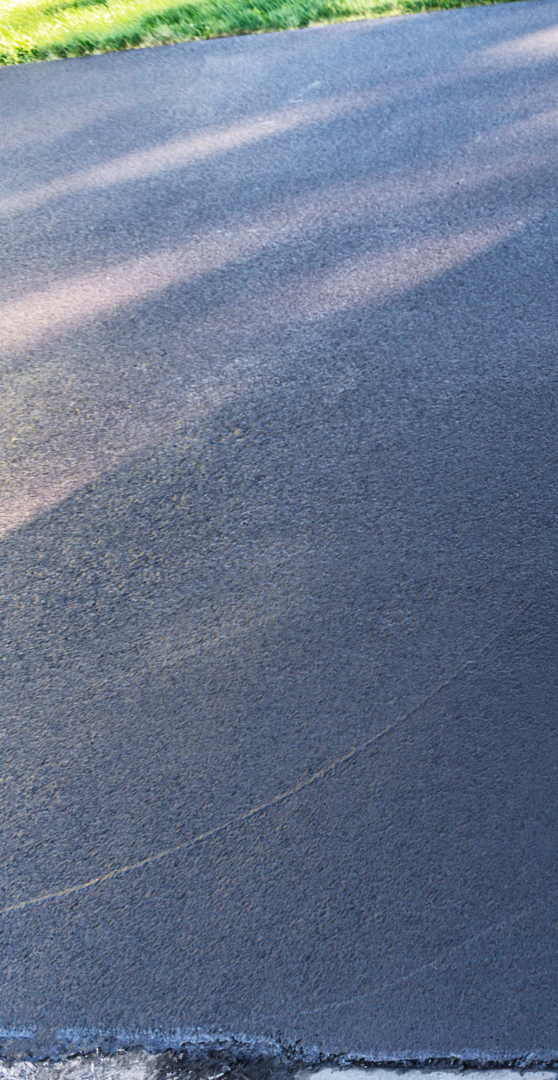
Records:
x=278, y=499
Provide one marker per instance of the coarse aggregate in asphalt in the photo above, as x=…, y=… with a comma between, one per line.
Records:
x=278, y=482
x=140, y=1065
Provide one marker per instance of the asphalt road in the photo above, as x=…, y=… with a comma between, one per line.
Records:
x=278, y=561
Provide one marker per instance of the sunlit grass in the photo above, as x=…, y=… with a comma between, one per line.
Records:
x=43, y=29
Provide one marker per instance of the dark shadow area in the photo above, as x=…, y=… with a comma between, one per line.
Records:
x=232, y=1064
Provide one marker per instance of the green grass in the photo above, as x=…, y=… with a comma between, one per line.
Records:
x=43, y=30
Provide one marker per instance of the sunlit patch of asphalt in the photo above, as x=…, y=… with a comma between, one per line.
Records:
x=372, y=278
x=56, y=435
x=186, y=151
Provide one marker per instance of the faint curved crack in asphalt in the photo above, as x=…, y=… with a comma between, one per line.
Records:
x=277, y=800
x=433, y=965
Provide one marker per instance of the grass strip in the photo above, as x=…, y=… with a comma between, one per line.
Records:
x=47, y=30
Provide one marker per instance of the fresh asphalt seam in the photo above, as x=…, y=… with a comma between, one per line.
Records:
x=282, y=797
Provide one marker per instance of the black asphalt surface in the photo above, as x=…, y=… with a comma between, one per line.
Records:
x=278, y=560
